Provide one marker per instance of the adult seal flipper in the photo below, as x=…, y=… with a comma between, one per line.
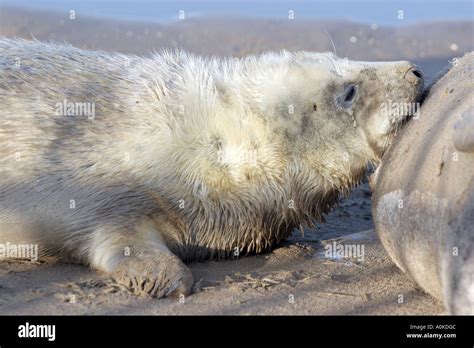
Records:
x=423, y=202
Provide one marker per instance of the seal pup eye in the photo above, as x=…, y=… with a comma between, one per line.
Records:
x=347, y=97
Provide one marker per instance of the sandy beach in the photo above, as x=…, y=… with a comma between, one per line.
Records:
x=297, y=278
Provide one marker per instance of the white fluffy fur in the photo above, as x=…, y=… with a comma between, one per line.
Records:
x=211, y=154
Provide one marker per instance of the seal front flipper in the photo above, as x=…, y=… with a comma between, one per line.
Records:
x=140, y=260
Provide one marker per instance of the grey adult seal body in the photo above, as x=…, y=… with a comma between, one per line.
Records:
x=423, y=201
x=181, y=158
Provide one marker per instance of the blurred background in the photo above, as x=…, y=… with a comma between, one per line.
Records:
x=430, y=33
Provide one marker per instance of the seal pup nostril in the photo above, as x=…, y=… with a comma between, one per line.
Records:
x=413, y=75
x=417, y=73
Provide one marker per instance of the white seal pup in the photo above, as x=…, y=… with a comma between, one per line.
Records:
x=135, y=166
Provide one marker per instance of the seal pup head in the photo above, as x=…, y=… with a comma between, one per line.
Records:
x=322, y=100
x=329, y=117
x=334, y=116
